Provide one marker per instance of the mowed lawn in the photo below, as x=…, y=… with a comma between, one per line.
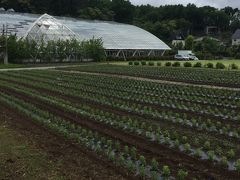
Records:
x=3, y=66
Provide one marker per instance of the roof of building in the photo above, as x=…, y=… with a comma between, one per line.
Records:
x=236, y=35
x=114, y=35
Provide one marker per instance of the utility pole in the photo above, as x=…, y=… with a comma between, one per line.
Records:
x=5, y=30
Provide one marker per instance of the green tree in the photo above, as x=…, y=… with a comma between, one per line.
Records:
x=189, y=42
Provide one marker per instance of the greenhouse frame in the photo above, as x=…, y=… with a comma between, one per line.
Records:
x=119, y=40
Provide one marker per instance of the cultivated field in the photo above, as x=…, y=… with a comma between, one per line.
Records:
x=203, y=76
x=139, y=128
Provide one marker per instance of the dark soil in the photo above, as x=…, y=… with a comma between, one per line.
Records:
x=69, y=161
x=175, y=159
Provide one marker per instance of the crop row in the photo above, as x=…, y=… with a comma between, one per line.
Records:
x=169, y=141
x=124, y=100
x=121, y=155
x=198, y=76
x=161, y=138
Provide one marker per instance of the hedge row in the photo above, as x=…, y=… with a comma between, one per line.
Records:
x=186, y=64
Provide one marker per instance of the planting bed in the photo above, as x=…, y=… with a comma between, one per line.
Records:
x=225, y=78
x=150, y=130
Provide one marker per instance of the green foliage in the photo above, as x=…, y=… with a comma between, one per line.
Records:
x=176, y=64
x=159, y=64
x=136, y=63
x=130, y=63
x=197, y=65
x=154, y=165
x=224, y=161
x=187, y=64
x=166, y=171
x=94, y=49
x=237, y=165
x=151, y=63
x=207, y=48
x=207, y=145
x=187, y=147
x=154, y=175
x=211, y=155
x=143, y=63
x=168, y=64
x=126, y=150
x=142, y=171
x=54, y=51
x=131, y=166
x=142, y=160
x=231, y=153
x=209, y=65
x=181, y=175
x=234, y=66
x=220, y=65
x=133, y=153
x=189, y=42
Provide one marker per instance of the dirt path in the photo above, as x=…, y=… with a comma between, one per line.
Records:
x=173, y=158
x=50, y=157
x=38, y=68
x=150, y=80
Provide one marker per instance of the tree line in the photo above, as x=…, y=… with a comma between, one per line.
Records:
x=28, y=51
x=163, y=21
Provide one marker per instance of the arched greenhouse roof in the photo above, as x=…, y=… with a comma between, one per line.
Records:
x=114, y=35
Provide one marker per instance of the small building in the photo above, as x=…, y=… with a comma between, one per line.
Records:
x=212, y=30
x=236, y=38
x=178, y=39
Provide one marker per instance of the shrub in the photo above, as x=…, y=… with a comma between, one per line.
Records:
x=154, y=175
x=237, y=165
x=126, y=150
x=142, y=160
x=211, y=155
x=209, y=65
x=159, y=64
x=198, y=152
x=224, y=161
x=197, y=65
x=184, y=139
x=143, y=63
x=231, y=153
x=121, y=159
x=133, y=153
x=220, y=65
x=154, y=165
x=176, y=143
x=130, y=63
x=187, y=147
x=131, y=166
x=234, y=66
x=182, y=174
x=176, y=64
x=142, y=171
x=237, y=56
x=151, y=63
x=187, y=64
x=168, y=64
x=136, y=63
x=207, y=145
x=166, y=171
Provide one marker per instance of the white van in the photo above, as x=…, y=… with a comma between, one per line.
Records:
x=187, y=53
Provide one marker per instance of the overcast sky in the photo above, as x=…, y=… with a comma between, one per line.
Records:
x=214, y=3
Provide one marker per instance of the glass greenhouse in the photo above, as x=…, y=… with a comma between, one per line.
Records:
x=119, y=40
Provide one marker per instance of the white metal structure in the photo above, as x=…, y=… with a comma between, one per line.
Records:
x=47, y=28
x=119, y=40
